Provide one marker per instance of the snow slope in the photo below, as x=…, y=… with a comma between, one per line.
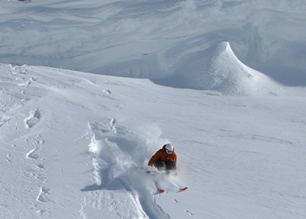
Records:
x=149, y=39
x=223, y=72
x=209, y=76
x=74, y=145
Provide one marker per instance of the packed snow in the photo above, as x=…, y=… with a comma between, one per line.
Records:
x=90, y=90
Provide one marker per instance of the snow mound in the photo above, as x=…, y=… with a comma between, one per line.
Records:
x=217, y=68
x=230, y=76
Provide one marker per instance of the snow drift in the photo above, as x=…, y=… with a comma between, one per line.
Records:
x=217, y=68
x=138, y=39
x=230, y=76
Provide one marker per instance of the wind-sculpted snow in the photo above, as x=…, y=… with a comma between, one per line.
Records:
x=150, y=39
x=220, y=71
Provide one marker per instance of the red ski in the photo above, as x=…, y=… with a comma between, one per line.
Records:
x=158, y=189
x=183, y=189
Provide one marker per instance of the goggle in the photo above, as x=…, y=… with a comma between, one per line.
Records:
x=169, y=152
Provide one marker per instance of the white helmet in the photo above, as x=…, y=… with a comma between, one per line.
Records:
x=169, y=148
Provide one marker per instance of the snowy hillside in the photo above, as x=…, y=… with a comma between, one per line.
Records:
x=222, y=72
x=75, y=145
x=152, y=39
x=223, y=81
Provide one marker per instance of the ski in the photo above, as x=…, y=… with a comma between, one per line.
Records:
x=169, y=176
x=180, y=187
x=161, y=190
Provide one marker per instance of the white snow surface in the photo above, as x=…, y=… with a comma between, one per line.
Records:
x=74, y=144
x=155, y=39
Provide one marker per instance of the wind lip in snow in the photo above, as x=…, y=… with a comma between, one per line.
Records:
x=218, y=69
x=228, y=75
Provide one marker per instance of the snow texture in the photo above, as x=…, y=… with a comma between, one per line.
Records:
x=151, y=39
x=223, y=81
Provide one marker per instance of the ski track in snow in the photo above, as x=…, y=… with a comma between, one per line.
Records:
x=36, y=170
x=31, y=154
x=32, y=119
x=15, y=102
x=113, y=147
x=43, y=194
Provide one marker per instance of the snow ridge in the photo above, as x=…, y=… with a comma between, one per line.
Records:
x=230, y=76
x=135, y=39
x=218, y=69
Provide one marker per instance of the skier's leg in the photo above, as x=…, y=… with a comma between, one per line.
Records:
x=160, y=165
x=170, y=165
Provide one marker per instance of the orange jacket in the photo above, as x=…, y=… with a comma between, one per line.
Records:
x=162, y=155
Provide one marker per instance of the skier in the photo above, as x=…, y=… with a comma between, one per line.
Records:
x=164, y=159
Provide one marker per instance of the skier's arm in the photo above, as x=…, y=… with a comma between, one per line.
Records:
x=153, y=159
